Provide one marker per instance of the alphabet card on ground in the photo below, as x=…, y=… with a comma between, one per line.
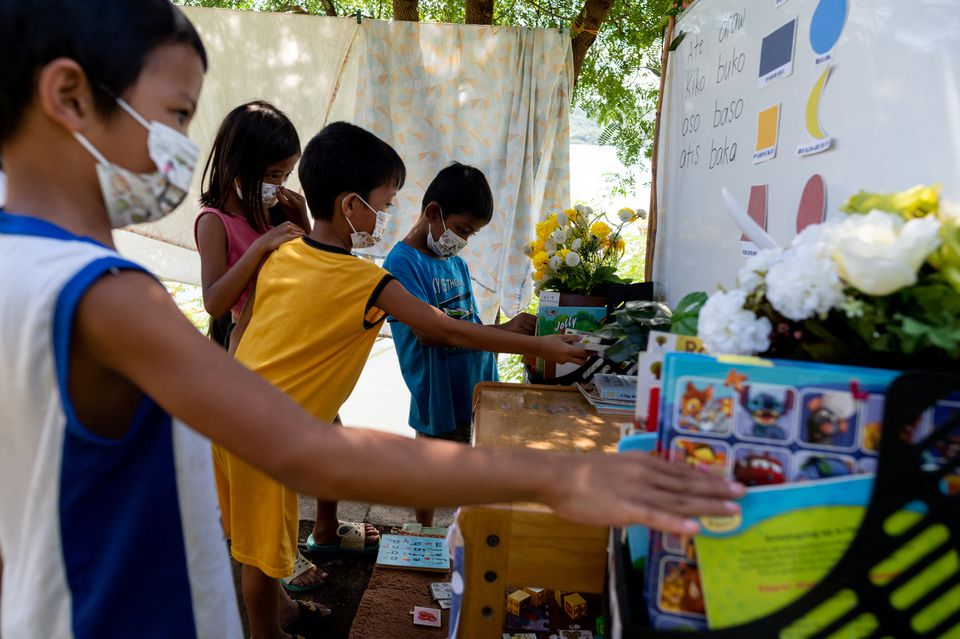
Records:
x=414, y=553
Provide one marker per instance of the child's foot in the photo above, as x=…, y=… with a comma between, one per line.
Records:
x=300, y=617
x=347, y=537
x=305, y=577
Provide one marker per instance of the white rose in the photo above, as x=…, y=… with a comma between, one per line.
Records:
x=572, y=259
x=751, y=274
x=626, y=215
x=587, y=211
x=879, y=254
x=580, y=208
x=803, y=283
x=726, y=328
x=550, y=246
x=576, y=244
x=556, y=262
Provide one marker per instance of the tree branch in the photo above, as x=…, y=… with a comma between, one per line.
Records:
x=479, y=12
x=585, y=28
x=329, y=8
x=406, y=10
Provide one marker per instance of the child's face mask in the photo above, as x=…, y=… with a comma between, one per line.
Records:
x=364, y=239
x=135, y=198
x=449, y=243
x=268, y=194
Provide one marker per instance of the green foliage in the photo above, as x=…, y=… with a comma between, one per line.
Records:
x=631, y=328
x=510, y=367
x=618, y=83
x=687, y=313
x=189, y=299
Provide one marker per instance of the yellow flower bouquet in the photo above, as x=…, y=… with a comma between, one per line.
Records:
x=577, y=250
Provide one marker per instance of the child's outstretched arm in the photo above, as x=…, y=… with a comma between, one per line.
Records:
x=137, y=332
x=429, y=320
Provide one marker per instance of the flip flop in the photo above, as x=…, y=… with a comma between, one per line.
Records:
x=312, y=616
x=300, y=566
x=353, y=541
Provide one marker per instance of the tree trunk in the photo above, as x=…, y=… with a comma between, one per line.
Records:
x=329, y=8
x=406, y=10
x=585, y=28
x=653, y=218
x=479, y=12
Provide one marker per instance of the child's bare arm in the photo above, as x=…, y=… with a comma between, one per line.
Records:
x=223, y=285
x=427, y=319
x=136, y=330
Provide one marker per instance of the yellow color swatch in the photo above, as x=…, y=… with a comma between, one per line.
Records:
x=813, y=107
x=768, y=123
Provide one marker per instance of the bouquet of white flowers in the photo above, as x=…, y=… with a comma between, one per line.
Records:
x=880, y=283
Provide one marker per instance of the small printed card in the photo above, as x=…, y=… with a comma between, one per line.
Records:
x=441, y=590
x=426, y=617
x=414, y=553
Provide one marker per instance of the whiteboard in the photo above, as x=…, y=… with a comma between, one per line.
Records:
x=890, y=107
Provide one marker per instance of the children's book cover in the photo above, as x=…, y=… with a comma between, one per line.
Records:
x=650, y=368
x=553, y=319
x=413, y=553
x=638, y=537
x=786, y=539
x=762, y=423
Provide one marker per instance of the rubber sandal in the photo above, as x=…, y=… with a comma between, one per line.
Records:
x=353, y=541
x=312, y=616
x=300, y=566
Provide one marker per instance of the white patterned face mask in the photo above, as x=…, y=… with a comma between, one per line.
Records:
x=363, y=239
x=136, y=198
x=268, y=194
x=449, y=243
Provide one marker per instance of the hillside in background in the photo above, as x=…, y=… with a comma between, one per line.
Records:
x=582, y=129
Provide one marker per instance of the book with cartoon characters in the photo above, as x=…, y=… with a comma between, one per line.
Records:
x=762, y=423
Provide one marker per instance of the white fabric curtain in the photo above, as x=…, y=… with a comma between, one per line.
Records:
x=292, y=61
x=494, y=97
x=497, y=98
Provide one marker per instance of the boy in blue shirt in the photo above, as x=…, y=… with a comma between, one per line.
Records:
x=457, y=204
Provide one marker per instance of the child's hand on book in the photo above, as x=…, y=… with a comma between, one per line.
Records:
x=561, y=349
x=640, y=489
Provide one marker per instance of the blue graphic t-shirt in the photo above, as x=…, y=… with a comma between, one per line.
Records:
x=440, y=380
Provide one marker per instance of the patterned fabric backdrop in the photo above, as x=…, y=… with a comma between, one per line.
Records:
x=497, y=98
x=493, y=97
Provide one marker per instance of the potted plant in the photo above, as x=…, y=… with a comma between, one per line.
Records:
x=576, y=253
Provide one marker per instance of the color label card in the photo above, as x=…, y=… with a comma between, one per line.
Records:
x=820, y=142
x=768, y=128
x=757, y=210
x=776, y=53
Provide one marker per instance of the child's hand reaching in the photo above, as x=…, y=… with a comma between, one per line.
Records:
x=523, y=323
x=640, y=489
x=560, y=349
x=272, y=239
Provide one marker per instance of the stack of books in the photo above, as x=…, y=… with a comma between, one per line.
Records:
x=613, y=394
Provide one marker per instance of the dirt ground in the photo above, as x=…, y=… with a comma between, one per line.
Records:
x=342, y=592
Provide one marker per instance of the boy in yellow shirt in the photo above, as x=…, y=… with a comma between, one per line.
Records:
x=316, y=312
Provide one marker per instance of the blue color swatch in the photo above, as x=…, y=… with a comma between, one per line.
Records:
x=777, y=48
x=827, y=25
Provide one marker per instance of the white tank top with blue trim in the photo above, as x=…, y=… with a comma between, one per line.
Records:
x=99, y=538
